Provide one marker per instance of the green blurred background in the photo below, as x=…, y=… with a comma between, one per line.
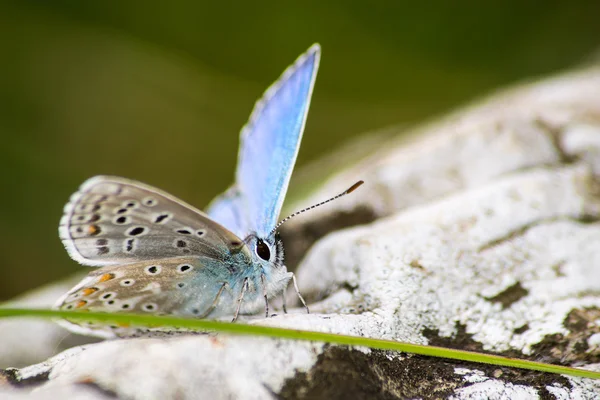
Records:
x=157, y=91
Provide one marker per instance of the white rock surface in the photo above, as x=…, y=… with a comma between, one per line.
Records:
x=26, y=341
x=487, y=238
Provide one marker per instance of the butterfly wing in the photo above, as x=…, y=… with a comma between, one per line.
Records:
x=268, y=149
x=185, y=286
x=113, y=221
x=227, y=209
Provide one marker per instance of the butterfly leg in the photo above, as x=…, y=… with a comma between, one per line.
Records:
x=214, y=303
x=284, y=294
x=298, y=292
x=264, y=286
x=239, y=299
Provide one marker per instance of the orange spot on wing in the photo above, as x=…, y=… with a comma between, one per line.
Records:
x=88, y=291
x=93, y=230
x=80, y=303
x=106, y=277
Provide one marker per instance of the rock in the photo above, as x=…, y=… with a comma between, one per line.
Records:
x=480, y=233
x=26, y=341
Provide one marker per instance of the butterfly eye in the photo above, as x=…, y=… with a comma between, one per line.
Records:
x=263, y=251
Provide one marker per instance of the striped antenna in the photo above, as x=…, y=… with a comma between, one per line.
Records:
x=345, y=192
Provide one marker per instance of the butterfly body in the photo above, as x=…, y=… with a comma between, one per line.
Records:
x=160, y=255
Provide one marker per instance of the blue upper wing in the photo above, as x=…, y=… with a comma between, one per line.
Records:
x=268, y=149
x=228, y=210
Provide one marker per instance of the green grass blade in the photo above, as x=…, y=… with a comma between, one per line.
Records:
x=257, y=330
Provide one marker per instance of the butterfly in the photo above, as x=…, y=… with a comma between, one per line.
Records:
x=159, y=255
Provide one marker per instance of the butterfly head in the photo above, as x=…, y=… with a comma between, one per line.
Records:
x=267, y=252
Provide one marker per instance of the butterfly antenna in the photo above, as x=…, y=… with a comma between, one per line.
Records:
x=345, y=192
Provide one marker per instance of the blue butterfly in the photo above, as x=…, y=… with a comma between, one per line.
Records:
x=160, y=255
